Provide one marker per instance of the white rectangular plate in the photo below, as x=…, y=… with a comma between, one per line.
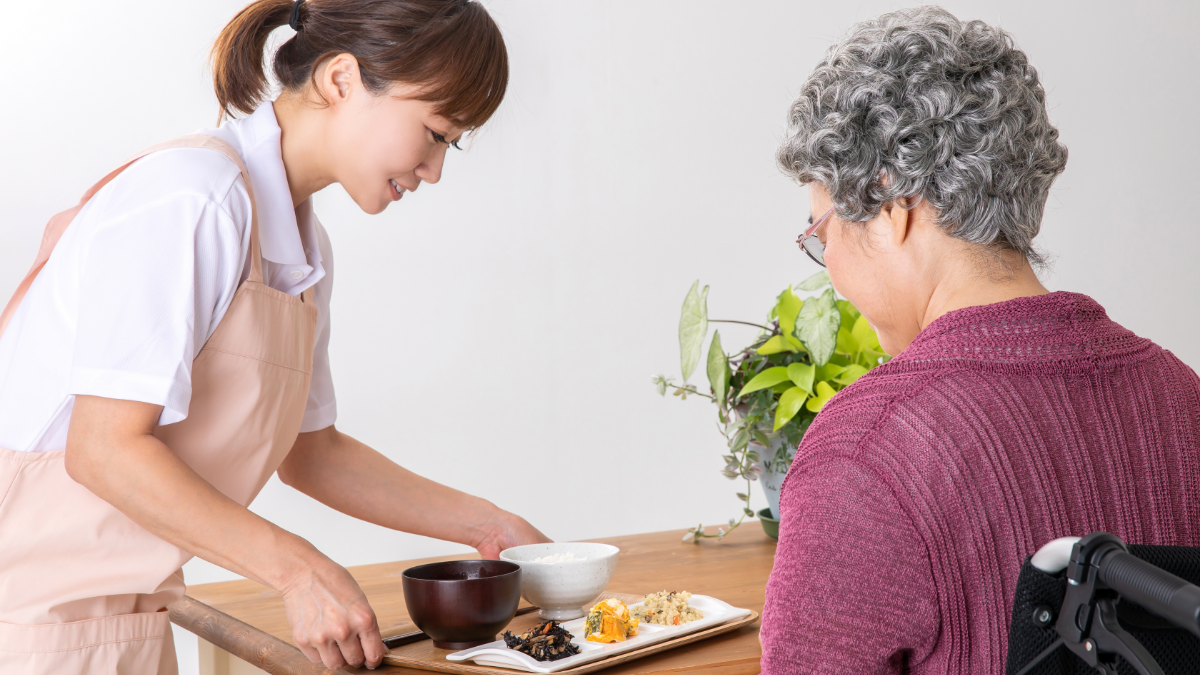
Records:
x=498, y=655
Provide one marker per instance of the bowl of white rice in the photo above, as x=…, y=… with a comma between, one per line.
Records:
x=562, y=578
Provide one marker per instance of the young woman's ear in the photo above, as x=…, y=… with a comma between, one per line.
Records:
x=340, y=78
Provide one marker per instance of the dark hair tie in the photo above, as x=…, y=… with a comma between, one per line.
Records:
x=294, y=19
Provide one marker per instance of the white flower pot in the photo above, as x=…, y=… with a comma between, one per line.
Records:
x=773, y=472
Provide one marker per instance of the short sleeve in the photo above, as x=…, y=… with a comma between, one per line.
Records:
x=162, y=265
x=852, y=589
x=321, y=409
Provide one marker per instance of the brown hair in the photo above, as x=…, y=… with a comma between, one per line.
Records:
x=451, y=49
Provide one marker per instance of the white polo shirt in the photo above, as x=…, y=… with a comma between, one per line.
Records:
x=142, y=277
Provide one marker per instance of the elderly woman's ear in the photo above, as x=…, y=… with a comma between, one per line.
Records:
x=902, y=268
x=899, y=216
x=890, y=229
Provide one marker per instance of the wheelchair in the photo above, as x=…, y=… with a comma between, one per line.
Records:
x=1097, y=605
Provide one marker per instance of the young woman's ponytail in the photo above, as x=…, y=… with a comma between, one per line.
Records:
x=239, y=76
x=451, y=50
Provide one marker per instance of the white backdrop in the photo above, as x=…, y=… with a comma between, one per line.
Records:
x=498, y=331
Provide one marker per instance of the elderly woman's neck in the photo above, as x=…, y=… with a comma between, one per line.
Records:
x=983, y=279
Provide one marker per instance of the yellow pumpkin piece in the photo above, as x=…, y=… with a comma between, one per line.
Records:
x=609, y=621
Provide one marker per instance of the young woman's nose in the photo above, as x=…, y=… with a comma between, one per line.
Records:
x=430, y=171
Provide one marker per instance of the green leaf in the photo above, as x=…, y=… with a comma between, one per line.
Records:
x=845, y=340
x=849, y=312
x=817, y=326
x=802, y=374
x=718, y=368
x=660, y=383
x=786, y=309
x=851, y=374
x=864, y=335
x=829, y=371
x=740, y=441
x=818, y=280
x=824, y=393
x=767, y=378
x=693, y=327
x=776, y=345
x=789, y=405
x=874, y=355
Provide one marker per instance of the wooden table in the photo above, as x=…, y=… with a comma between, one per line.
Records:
x=247, y=620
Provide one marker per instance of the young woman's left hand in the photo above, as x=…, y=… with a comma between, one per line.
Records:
x=346, y=474
x=505, y=530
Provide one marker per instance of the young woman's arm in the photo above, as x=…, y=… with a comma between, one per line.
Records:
x=347, y=475
x=112, y=452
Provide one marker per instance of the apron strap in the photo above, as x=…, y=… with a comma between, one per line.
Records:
x=58, y=224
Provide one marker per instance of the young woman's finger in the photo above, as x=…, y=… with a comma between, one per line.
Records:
x=351, y=650
x=331, y=654
x=373, y=648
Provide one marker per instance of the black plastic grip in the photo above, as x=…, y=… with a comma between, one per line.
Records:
x=1157, y=591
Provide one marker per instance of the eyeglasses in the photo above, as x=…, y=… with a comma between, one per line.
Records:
x=810, y=243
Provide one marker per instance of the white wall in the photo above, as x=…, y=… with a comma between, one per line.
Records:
x=498, y=331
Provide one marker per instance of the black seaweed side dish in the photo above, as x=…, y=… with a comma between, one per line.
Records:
x=546, y=642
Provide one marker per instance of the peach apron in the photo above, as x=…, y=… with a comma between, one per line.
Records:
x=83, y=589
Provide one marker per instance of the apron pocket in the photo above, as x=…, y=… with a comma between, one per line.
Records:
x=126, y=644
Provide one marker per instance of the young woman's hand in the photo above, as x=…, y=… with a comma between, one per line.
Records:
x=344, y=473
x=112, y=451
x=505, y=530
x=332, y=623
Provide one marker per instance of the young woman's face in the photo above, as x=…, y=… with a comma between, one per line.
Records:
x=385, y=145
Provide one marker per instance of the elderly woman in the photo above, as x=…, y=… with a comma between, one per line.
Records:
x=1010, y=415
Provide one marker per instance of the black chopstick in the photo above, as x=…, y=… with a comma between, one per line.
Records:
x=417, y=636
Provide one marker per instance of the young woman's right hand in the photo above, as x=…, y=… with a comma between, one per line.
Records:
x=112, y=451
x=332, y=623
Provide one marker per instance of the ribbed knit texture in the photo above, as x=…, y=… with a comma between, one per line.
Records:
x=919, y=490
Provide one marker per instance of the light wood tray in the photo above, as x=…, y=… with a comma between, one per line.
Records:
x=424, y=656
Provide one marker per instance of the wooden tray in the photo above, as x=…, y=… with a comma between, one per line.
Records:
x=424, y=656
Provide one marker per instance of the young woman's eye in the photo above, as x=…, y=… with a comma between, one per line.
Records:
x=438, y=138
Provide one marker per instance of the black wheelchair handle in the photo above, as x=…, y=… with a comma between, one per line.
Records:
x=1157, y=591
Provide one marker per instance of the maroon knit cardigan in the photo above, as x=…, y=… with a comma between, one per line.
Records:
x=919, y=490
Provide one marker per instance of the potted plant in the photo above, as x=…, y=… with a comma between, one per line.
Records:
x=768, y=393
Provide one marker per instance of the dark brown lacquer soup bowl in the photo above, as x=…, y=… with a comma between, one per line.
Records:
x=462, y=603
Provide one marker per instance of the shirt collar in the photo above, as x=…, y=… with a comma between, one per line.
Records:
x=283, y=240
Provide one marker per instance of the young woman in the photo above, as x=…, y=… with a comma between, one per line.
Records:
x=168, y=351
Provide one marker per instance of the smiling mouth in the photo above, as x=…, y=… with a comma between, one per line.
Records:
x=397, y=190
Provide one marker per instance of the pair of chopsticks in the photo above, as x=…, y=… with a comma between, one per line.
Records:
x=417, y=636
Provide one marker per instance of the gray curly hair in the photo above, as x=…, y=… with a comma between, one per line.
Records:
x=919, y=104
